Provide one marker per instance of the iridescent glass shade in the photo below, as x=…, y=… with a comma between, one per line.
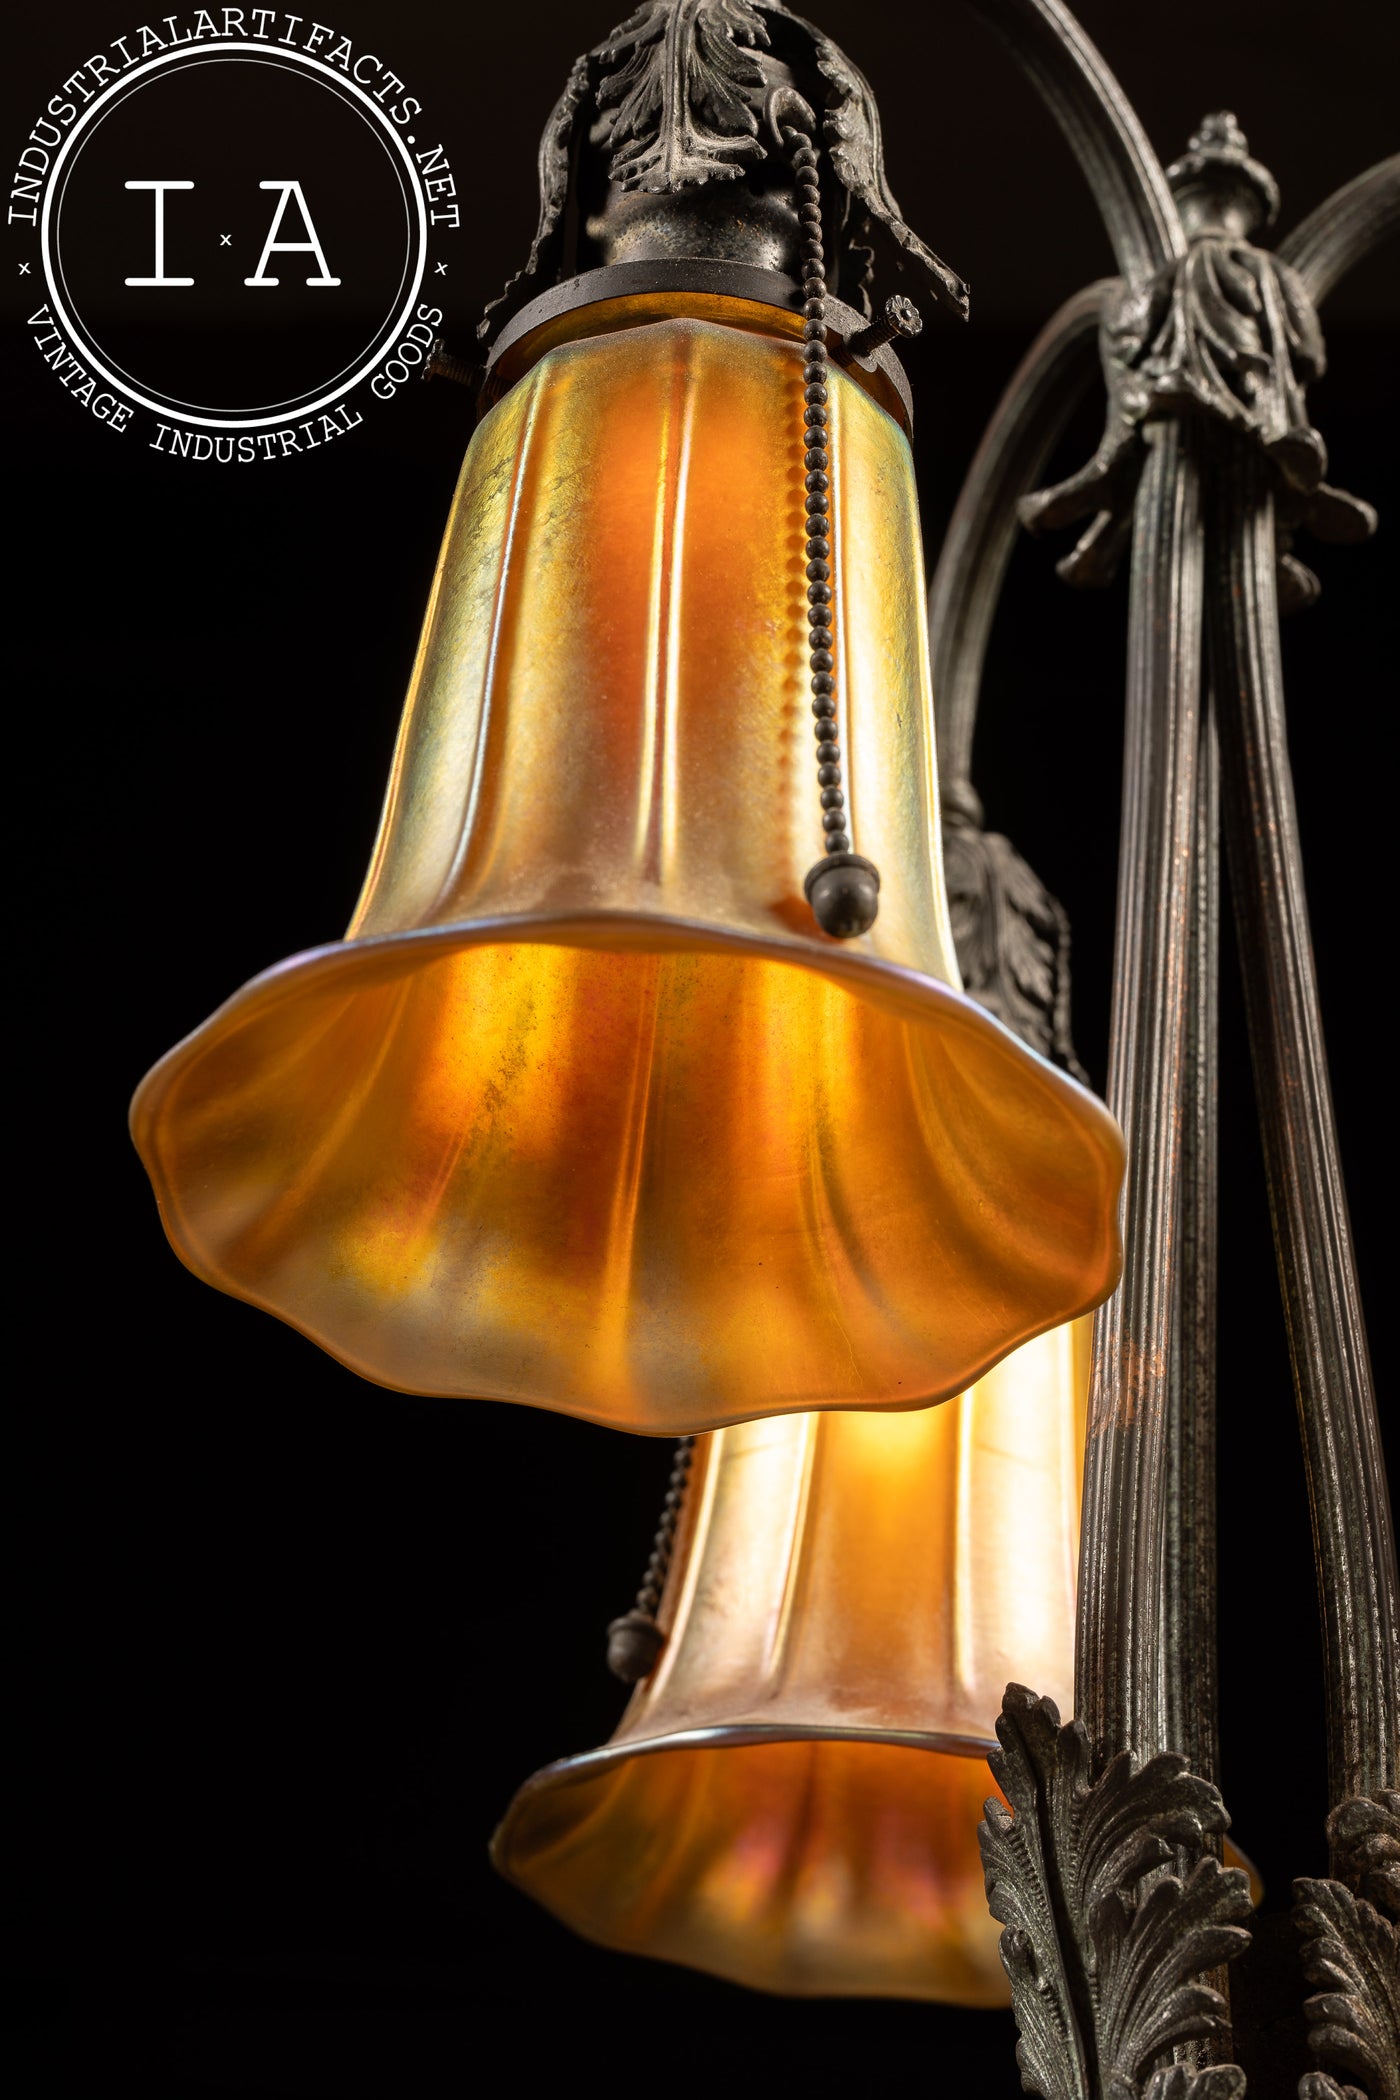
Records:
x=792, y=1798
x=585, y=1112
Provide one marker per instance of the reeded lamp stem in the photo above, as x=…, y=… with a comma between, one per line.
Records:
x=1352, y=1529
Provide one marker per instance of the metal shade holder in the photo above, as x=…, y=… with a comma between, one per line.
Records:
x=1119, y=1917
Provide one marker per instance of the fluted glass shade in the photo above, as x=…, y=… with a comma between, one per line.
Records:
x=792, y=1797
x=585, y=1112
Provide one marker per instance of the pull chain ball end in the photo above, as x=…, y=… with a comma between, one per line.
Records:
x=635, y=1642
x=844, y=893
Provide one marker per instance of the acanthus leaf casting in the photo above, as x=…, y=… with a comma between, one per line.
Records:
x=682, y=101
x=1012, y=939
x=1351, y=1954
x=673, y=100
x=1112, y=1907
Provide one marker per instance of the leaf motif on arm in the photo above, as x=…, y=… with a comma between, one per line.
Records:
x=1226, y=331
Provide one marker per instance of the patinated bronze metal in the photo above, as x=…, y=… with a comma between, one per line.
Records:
x=658, y=148
x=1213, y=342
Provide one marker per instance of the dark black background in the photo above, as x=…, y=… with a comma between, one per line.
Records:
x=283, y=1643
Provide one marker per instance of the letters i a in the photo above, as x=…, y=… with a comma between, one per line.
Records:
x=271, y=246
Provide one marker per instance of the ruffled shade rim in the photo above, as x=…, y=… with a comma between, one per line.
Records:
x=374, y=960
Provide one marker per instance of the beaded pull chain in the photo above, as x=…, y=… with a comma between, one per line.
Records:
x=635, y=1640
x=843, y=889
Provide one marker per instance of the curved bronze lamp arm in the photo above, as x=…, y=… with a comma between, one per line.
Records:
x=1043, y=392
x=1101, y=126
x=1345, y=228
x=1143, y=225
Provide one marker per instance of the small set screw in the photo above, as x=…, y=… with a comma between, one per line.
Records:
x=899, y=318
x=441, y=364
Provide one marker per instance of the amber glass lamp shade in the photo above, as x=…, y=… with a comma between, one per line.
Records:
x=792, y=1797
x=585, y=1111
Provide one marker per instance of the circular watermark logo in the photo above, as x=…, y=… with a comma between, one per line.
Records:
x=233, y=223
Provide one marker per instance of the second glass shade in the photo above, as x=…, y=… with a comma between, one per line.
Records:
x=792, y=1798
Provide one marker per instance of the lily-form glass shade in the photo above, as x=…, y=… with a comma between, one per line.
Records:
x=585, y=1112
x=792, y=1798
